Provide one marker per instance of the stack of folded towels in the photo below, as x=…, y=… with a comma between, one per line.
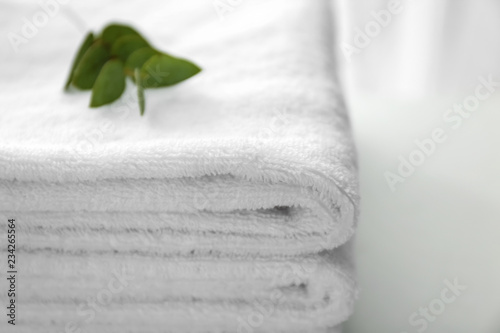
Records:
x=228, y=207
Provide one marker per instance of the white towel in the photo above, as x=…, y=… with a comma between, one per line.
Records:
x=262, y=126
x=307, y=294
x=250, y=161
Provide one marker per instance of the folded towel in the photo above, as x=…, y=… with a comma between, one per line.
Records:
x=256, y=149
x=229, y=178
x=189, y=294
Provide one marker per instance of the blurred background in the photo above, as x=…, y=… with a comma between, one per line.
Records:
x=419, y=65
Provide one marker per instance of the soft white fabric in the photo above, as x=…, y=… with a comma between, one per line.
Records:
x=306, y=294
x=250, y=161
x=262, y=126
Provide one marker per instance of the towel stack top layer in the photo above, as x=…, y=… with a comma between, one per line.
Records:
x=262, y=126
x=266, y=100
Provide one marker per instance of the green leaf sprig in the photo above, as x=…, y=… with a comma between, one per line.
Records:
x=104, y=62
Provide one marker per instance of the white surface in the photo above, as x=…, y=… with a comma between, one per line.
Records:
x=442, y=223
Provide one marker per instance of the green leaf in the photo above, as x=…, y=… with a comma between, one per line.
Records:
x=102, y=64
x=89, y=39
x=126, y=45
x=137, y=59
x=90, y=65
x=109, y=85
x=140, y=90
x=163, y=70
x=114, y=31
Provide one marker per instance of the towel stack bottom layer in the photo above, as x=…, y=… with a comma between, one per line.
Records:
x=229, y=207
x=103, y=292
